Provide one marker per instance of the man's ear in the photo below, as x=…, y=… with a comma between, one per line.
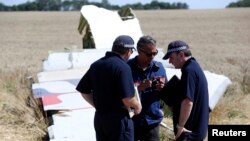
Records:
x=181, y=53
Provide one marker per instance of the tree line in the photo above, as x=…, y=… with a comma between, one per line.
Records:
x=241, y=3
x=75, y=5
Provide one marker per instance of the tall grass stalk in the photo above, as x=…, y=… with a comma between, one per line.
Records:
x=21, y=114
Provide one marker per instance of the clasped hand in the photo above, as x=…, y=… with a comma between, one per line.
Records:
x=146, y=83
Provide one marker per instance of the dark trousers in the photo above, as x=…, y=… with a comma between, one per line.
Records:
x=113, y=127
x=147, y=133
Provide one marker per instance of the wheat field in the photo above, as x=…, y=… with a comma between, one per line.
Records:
x=219, y=40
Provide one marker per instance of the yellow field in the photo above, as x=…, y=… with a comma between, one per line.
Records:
x=219, y=39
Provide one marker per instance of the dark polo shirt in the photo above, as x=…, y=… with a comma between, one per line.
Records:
x=109, y=78
x=193, y=85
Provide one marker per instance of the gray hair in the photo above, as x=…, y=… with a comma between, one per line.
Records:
x=145, y=40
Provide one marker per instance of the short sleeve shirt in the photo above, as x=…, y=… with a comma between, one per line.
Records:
x=110, y=80
x=193, y=85
x=151, y=107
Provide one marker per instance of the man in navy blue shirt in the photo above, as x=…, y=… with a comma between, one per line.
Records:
x=150, y=77
x=190, y=107
x=108, y=86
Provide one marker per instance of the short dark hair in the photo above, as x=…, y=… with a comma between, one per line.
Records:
x=187, y=52
x=145, y=40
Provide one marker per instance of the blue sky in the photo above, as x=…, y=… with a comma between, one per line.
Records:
x=193, y=4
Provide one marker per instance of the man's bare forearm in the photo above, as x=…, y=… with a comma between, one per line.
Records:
x=186, y=107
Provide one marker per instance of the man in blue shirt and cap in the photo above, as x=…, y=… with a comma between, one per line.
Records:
x=108, y=86
x=190, y=103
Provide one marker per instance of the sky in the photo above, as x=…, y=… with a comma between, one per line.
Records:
x=193, y=4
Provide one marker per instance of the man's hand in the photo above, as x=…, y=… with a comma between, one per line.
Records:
x=180, y=130
x=160, y=84
x=138, y=109
x=146, y=83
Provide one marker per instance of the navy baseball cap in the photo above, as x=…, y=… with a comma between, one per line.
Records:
x=175, y=46
x=124, y=41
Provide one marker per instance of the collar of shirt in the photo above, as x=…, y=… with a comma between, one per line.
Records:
x=187, y=62
x=111, y=54
x=135, y=65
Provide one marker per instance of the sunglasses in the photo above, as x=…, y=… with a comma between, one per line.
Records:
x=149, y=54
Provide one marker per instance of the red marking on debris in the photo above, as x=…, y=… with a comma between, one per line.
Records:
x=51, y=100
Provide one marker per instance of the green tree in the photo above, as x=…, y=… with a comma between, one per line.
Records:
x=66, y=5
x=28, y=6
x=46, y=5
x=105, y=4
x=69, y=5
x=241, y=3
x=2, y=7
x=77, y=4
x=154, y=5
x=138, y=6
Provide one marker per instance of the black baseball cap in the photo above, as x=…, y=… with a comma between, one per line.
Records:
x=175, y=46
x=124, y=41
